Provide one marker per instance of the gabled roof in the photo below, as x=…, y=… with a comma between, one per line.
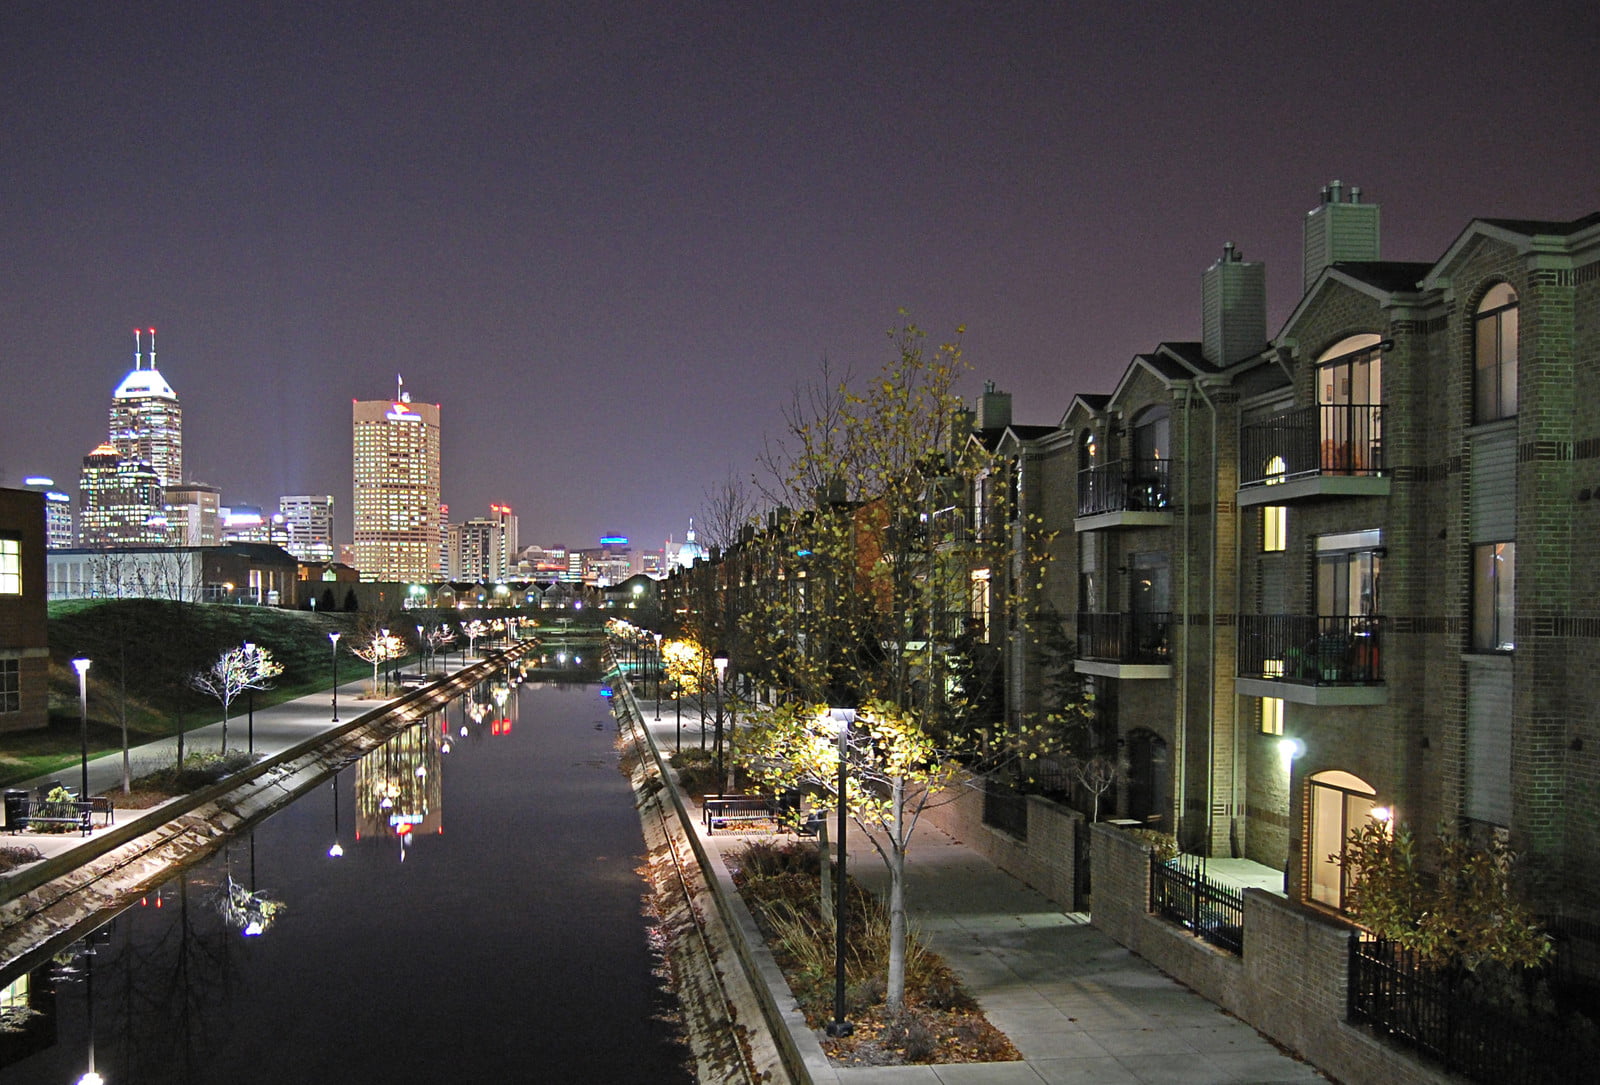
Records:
x=1390, y=276
x=1519, y=233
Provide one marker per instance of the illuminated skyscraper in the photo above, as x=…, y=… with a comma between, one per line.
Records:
x=395, y=512
x=119, y=502
x=308, y=523
x=146, y=420
x=57, y=512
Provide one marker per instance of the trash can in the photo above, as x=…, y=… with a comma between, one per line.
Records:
x=16, y=808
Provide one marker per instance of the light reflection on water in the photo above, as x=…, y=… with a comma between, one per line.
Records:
x=483, y=922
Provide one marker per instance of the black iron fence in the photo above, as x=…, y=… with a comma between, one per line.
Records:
x=1182, y=894
x=1306, y=648
x=1125, y=486
x=1330, y=439
x=1005, y=808
x=1435, y=1012
x=1135, y=637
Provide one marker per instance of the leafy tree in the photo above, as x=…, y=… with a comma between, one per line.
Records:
x=893, y=771
x=232, y=673
x=1455, y=907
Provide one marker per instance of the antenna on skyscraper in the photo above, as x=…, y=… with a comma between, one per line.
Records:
x=136, y=345
x=153, y=349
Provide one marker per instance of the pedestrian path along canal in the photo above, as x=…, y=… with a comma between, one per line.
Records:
x=462, y=904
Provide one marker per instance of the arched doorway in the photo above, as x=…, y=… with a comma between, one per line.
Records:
x=1149, y=778
x=1337, y=803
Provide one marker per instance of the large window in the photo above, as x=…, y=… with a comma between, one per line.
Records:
x=1340, y=803
x=1495, y=355
x=10, y=566
x=1350, y=402
x=1494, y=596
x=1349, y=573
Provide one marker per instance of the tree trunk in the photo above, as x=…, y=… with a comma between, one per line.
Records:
x=825, y=871
x=895, y=997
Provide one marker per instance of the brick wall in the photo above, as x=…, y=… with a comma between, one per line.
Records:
x=1290, y=983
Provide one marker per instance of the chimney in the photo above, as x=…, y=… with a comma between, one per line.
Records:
x=994, y=408
x=1339, y=229
x=1233, y=308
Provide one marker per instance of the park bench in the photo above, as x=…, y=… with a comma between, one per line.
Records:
x=406, y=680
x=735, y=811
x=24, y=812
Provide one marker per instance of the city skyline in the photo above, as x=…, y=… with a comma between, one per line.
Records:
x=610, y=244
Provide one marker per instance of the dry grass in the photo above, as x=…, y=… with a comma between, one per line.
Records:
x=940, y=1022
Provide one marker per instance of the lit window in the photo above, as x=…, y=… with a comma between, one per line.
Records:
x=1494, y=594
x=1494, y=386
x=10, y=566
x=1272, y=715
x=1274, y=528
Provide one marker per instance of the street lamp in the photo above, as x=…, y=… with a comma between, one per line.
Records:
x=338, y=849
x=82, y=667
x=842, y=719
x=422, y=652
x=334, y=639
x=385, y=658
x=250, y=695
x=720, y=662
x=658, y=676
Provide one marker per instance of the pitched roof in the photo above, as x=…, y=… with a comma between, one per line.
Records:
x=1542, y=226
x=1390, y=276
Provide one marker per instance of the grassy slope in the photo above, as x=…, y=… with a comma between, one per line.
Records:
x=145, y=649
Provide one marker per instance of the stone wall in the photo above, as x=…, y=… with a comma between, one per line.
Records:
x=1290, y=984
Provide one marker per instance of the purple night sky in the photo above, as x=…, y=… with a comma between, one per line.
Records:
x=610, y=238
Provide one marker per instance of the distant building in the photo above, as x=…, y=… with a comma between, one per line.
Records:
x=194, y=512
x=234, y=573
x=691, y=551
x=477, y=551
x=396, y=508
x=146, y=419
x=24, y=643
x=507, y=520
x=57, y=512
x=308, y=526
x=119, y=501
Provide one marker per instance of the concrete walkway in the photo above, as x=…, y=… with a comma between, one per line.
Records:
x=1078, y=1006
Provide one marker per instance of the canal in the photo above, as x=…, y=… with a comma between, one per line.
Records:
x=462, y=904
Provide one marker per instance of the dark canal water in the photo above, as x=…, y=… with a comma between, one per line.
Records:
x=484, y=924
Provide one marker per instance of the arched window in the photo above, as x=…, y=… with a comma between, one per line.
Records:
x=1494, y=383
x=1339, y=803
x=1275, y=518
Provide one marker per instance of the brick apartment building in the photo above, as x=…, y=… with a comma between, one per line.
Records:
x=24, y=636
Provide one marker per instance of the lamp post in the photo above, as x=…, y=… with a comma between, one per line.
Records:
x=82, y=667
x=422, y=652
x=658, y=675
x=720, y=662
x=334, y=639
x=90, y=1078
x=250, y=697
x=385, y=658
x=338, y=849
x=842, y=719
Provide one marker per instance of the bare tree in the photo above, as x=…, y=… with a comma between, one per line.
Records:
x=232, y=673
x=729, y=507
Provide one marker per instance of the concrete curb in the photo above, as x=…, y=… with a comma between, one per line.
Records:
x=802, y=1054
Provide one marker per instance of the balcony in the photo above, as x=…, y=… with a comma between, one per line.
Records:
x=1312, y=660
x=1127, y=645
x=1332, y=450
x=1128, y=493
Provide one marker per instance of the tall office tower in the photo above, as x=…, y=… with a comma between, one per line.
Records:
x=477, y=550
x=57, y=512
x=119, y=502
x=146, y=421
x=502, y=515
x=308, y=525
x=194, y=514
x=395, y=514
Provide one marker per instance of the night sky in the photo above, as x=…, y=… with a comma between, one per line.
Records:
x=609, y=239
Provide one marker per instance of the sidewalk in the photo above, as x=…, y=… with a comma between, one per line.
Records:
x=1078, y=1006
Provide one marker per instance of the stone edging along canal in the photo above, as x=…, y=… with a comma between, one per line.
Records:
x=43, y=904
x=727, y=981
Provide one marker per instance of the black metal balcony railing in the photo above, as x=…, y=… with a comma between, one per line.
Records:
x=1125, y=486
x=1137, y=637
x=1323, y=651
x=1331, y=439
